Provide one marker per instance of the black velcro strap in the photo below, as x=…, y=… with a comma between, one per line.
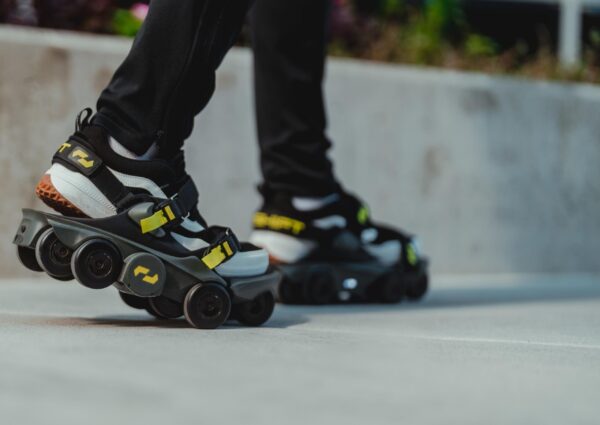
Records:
x=169, y=213
x=110, y=186
x=187, y=197
x=78, y=157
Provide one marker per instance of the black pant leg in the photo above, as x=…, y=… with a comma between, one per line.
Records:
x=289, y=41
x=169, y=75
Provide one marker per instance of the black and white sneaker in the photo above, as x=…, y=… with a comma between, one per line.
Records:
x=331, y=248
x=89, y=179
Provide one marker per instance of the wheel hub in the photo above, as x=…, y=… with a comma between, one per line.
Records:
x=210, y=306
x=60, y=253
x=99, y=264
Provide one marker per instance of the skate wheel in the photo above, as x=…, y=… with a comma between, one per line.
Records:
x=164, y=308
x=391, y=289
x=418, y=290
x=97, y=263
x=53, y=256
x=27, y=258
x=133, y=301
x=319, y=287
x=289, y=291
x=207, y=306
x=255, y=312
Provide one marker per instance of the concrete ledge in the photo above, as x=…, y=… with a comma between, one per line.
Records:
x=495, y=174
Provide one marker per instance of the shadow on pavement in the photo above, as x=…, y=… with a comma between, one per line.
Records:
x=278, y=321
x=480, y=295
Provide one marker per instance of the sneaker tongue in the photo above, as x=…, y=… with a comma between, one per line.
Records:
x=94, y=134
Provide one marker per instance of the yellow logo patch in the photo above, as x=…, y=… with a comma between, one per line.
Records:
x=150, y=279
x=64, y=146
x=411, y=255
x=81, y=157
x=278, y=222
x=363, y=215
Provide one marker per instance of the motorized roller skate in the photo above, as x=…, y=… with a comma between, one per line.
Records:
x=334, y=253
x=134, y=224
x=150, y=271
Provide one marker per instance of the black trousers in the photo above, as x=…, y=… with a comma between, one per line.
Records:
x=169, y=77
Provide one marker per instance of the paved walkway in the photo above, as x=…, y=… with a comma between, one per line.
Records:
x=479, y=350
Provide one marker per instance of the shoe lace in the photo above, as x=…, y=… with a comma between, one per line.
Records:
x=83, y=119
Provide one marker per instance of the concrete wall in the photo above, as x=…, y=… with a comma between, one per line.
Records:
x=495, y=174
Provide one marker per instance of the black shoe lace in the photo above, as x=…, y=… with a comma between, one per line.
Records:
x=83, y=119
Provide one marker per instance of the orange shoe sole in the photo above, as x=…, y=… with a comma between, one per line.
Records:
x=46, y=191
x=274, y=261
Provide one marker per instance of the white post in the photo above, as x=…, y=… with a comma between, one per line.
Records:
x=570, y=32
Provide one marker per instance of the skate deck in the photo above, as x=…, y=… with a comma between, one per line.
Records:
x=477, y=350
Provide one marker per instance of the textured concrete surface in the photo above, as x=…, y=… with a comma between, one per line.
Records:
x=495, y=174
x=478, y=350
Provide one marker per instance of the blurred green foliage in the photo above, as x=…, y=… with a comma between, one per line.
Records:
x=478, y=46
x=125, y=23
x=422, y=32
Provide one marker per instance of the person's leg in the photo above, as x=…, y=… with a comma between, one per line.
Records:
x=167, y=78
x=323, y=239
x=288, y=39
x=169, y=75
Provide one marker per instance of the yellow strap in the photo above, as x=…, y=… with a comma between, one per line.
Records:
x=363, y=215
x=411, y=255
x=216, y=255
x=155, y=221
x=169, y=213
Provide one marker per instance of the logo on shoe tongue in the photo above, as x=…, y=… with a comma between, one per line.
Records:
x=278, y=222
x=81, y=157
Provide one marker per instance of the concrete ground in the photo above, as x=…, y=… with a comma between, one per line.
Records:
x=478, y=350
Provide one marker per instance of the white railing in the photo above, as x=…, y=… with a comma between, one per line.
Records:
x=569, y=34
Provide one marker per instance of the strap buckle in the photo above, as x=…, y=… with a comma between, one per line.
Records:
x=165, y=213
x=171, y=212
x=221, y=251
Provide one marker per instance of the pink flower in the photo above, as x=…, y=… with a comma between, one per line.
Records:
x=139, y=10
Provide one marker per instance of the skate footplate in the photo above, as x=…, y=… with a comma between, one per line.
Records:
x=327, y=283
x=248, y=288
x=168, y=286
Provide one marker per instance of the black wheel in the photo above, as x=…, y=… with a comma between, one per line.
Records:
x=207, y=306
x=97, y=263
x=319, y=287
x=255, y=312
x=134, y=301
x=391, y=288
x=418, y=289
x=27, y=258
x=290, y=291
x=164, y=308
x=53, y=256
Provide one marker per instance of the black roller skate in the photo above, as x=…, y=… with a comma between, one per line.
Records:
x=134, y=225
x=332, y=252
